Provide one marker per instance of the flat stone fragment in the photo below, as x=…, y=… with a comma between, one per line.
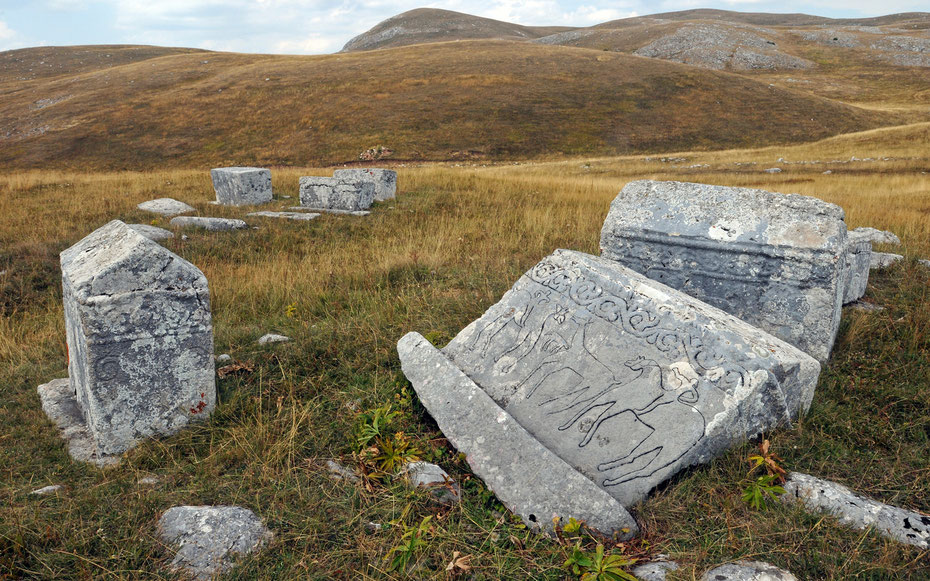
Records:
x=211, y=224
x=858, y=260
x=432, y=477
x=46, y=490
x=655, y=571
x=223, y=358
x=866, y=307
x=527, y=478
x=748, y=571
x=166, y=207
x=921, y=261
x=306, y=216
x=321, y=193
x=772, y=170
x=272, y=338
x=209, y=538
x=853, y=510
x=385, y=180
x=882, y=260
x=140, y=338
x=340, y=472
x=329, y=211
x=241, y=186
x=776, y=261
x=626, y=379
x=59, y=403
x=876, y=236
x=152, y=232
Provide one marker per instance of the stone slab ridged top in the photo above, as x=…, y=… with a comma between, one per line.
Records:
x=140, y=340
x=625, y=379
x=241, y=186
x=529, y=479
x=336, y=194
x=776, y=261
x=385, y=180
x=210, y=224
x=859, y=259
x=166, y=207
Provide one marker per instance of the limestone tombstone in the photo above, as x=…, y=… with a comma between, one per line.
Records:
x=859, y=259
x=140, y=340
x=385, y=180
x=336, y=194
x=776, y=261
x=625, y=379
x=241, y=186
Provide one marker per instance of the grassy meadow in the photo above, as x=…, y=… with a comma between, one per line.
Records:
x=347, y=288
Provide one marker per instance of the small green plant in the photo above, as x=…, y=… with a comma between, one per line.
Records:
x=411, y=540
x=601, y=566
x=759, y=492
x=372, y=425
x=394, y=452
x=291, y=311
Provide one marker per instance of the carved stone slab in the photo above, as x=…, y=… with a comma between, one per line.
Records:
x=140, y=340
x=628, y=380
x=776, y=261
x=336, y=194
x=385, y=180
x=526, y=476
x=858, y=258
x=211, y=224
x=241, y=186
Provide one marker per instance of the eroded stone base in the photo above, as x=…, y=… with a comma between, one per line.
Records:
x=60, y=405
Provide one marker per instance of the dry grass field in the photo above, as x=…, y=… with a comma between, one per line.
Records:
x=346, y=288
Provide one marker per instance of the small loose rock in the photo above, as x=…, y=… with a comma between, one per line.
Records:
x=654, y=571
x=46, y=490
x=272, y=338
x=443, y=489
x=340, y=472
x=748, y=571
x=224, y=358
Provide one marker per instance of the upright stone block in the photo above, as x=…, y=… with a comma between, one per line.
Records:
x=241, y=186
x=623, y=378
x=385, y=180
x=777, y=261
x=858, y=259
x=336, y=194
x=140, y=340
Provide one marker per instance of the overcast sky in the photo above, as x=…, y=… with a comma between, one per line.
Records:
x=317, y=26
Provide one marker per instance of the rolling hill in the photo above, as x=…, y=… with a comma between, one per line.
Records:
x=470, y=99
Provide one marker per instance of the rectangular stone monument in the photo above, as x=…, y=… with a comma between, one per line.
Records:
x=241, y=186
x=385, y=180
x=859, y=259
x=625, y=379
x=776, y=261
x=140, y=339
x=322, y=193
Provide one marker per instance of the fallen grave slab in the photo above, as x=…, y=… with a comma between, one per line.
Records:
x=152, y=232
x=305, y=216
x=211, y=224
x=776, y=261
x=166, y=207
x=330, y=211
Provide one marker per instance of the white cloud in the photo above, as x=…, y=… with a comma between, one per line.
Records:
x=9, y=38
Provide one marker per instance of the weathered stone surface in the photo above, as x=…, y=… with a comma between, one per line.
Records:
x=140, y=339
x=211, y=224
x=882, y=260
x=209, y=538
x=748, y=571
x=321, y=193
x=241, y=186
x=59, y=403
x=775, y=261
x=223, y=358
x=876, y=236
x=46, y=490
x=306, y=216
x=921, y=261
x=527, y=477
x=152, y=232
x=340, y=472
x=272, y=338
x=432, y=477
x=857, y=511
x=385, y=180
x=655, y=571
x=858, y=260
x=330, y=211
x=166, y=207
x=627, y=380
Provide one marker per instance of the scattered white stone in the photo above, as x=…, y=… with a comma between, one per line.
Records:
x=286, y=215
x=432, y=477
x=152, y=232
x=272, y=338
x=330, y=211
x=828, y=172
x=748, y=571
x=884, y=260
x=654, y=571
x=772, y=170
x=211, y=224
x=224, y=358
x=866, y=307
x=921, y=261
x=241, y=186
x=149, y=481
x=857, y=511
x=340, y=472
x=373, y=527
x=166, y=207
x=876, y=236
x=209, y=538
x=46, y=490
